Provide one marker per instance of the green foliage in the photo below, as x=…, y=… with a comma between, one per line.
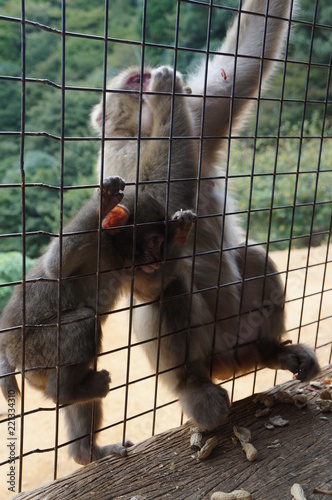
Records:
x=10, y=272
x=290, y=193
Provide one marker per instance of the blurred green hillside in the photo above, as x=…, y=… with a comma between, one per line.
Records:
x=82, y=72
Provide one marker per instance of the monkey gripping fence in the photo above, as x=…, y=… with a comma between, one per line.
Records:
x=137, y=406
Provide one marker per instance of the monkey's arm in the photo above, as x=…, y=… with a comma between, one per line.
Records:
x=236, y=72
x=80, y=236
x=164, y=159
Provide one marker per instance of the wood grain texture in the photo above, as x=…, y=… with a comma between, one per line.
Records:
x=164, y=466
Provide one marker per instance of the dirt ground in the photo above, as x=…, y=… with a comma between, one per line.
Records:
x=309, y=277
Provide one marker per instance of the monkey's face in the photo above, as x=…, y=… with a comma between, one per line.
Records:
x=149, y=252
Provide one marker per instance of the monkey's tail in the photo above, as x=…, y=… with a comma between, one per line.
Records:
x=8, y=382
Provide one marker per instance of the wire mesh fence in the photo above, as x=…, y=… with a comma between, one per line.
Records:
x=276, y=164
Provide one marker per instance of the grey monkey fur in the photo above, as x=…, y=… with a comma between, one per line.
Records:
x=80, y=385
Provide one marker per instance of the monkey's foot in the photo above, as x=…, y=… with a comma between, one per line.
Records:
x=112, y=192
x=207, y=404
x=162, y=81
x=112, y=449
x=81, y=454
x=184, y=220
x=300, y=360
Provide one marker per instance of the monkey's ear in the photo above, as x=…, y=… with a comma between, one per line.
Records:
x=97, y=117
x=119, y=216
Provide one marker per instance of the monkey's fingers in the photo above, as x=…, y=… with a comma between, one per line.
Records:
x=113, y=185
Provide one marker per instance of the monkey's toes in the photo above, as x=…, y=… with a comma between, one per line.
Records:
x=300, y=360
x=184, y=217
x=113, y=185
x=112, y=192
x=162, y=80
x=308, y=369
x=113, y=449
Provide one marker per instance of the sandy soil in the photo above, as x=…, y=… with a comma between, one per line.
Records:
x=39, y=427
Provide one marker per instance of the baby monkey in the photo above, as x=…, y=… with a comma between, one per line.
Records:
x=60, y=361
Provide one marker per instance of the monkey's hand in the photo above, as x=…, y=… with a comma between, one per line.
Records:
x=184, y=220
x=112, y=193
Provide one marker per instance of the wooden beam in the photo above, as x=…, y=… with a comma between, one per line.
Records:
x=164, y=466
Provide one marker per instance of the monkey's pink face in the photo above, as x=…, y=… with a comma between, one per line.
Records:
x=133, y=81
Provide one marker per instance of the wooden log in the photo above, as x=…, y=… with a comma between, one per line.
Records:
x=164, y=466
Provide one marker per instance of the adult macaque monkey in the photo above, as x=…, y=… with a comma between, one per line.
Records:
x=234, y=320
x=63, y=368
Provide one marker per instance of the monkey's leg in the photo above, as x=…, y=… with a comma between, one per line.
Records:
x=155, y=159
x=78, y=384
x=79, y=424
x=299, y=359
x=77, y=381
x=206, y=403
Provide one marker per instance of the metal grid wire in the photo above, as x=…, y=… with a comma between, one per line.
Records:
x=137, y=406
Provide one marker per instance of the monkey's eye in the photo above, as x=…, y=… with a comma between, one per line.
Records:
x=154, y=242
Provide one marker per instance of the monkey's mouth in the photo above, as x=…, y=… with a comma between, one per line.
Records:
x=150, y=268
x=151, y=260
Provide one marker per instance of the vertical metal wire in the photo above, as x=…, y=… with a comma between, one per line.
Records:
x=283, y=82
x=61, y=192
x=259, y=92
x=22, y=171
x=169, y=181
x=299, y=163
x=154, y=414
x=328, y=82
x=97, y=332
x=199, y=175
x=130, y=327
x=231, y=110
